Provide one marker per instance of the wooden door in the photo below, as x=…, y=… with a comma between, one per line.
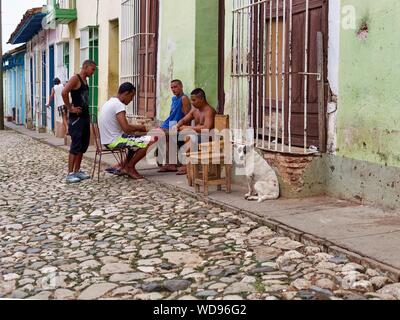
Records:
x=272, y=91
x=318, y=22
x=148, y=57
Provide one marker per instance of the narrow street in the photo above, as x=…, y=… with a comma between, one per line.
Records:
x=132, y=240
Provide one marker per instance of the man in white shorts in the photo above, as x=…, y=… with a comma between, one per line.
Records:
x=117, y=133
x=56, y=95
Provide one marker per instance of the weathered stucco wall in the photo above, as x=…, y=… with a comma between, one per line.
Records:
x=188, y=49
x=176, y=49
x=369, y=99
x=87, y=16
x=364, y=139
x=228, y=56
x=207, y=48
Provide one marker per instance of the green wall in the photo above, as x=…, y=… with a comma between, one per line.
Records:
x=207, y=48
x=188, y=48
x=228, y=56
x=369, y=97
x=177, y=48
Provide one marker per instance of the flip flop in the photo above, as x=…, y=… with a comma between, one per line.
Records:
x=110, y=170
x=181, y=173
x=119, y=173
x=114, y=171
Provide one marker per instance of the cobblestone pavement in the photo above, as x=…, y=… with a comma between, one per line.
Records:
x=122, y=239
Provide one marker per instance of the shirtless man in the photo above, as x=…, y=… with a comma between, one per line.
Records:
x=202, y=114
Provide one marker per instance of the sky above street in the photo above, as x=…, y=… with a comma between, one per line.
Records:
x=13, y=11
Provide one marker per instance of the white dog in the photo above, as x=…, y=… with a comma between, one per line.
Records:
x=262, y=179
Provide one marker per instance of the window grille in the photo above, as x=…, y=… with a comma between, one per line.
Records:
x=90, y=50
x=138, y=58
x=277, y=74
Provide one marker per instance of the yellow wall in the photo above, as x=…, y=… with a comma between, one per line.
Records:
x=87, y=16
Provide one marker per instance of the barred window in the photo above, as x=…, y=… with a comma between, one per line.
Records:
x=90, y=50
x=139, y=23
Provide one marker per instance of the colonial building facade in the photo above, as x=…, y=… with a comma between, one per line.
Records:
x=310, y=82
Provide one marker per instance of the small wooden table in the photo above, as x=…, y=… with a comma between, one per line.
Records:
x=201, y=163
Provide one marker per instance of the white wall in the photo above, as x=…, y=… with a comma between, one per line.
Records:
x=333, y=71
x=334, y=45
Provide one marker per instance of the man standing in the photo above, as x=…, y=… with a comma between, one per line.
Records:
x=117, y=133
x=79, y=120
x=180, y=107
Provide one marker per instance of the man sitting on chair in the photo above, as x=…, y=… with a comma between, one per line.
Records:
x=180, y=107
x=202, y=114
x=117, y=133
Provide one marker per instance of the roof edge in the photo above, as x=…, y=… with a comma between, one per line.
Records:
x=26, y=17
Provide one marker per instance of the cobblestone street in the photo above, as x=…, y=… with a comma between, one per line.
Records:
x=122, y=239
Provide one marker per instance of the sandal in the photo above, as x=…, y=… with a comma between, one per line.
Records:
x=114, y=171
x=110, y=170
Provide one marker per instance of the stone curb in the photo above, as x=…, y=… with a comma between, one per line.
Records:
x=278, y=227
x=298, y=235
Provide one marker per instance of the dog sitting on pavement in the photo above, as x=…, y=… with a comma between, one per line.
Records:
x=262, y=179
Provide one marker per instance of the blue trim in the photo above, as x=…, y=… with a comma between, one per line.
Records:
x=12, y=61
x=30, y=28
x=51, y=78
x=44, y=95
x=32, y=100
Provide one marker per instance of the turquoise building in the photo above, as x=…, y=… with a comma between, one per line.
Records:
x=14, y=84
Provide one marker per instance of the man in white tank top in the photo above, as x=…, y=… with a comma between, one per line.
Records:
x=56, y=94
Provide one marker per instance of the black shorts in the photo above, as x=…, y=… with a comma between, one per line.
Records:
x=79, y=130
x=195, y=139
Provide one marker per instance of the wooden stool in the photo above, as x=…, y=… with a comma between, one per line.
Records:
x=201, y=174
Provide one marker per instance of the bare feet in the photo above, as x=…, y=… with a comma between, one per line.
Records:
x=133, y=174
x=182, y=171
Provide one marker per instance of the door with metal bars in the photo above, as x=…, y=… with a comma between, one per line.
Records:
x=139, y=27
x=279, y=50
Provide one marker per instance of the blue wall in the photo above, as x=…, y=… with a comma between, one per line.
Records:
x=14, y=67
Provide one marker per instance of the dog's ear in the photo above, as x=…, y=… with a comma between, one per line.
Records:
x=248, y=148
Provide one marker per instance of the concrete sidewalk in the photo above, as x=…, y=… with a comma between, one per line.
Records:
x=366, y=235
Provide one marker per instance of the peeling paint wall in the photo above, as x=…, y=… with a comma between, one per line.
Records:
x=368, y=116
x=363, y=157
x=207, y=48
x=333, y=72
x=188, y=49
x=228, y=57
x=176, y=49
x=334, y=45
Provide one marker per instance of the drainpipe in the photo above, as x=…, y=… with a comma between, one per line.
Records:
x=1, y=72
x=97, y=13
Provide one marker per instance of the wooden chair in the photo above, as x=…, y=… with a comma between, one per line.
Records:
x=206, y=164
x=119, y=154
